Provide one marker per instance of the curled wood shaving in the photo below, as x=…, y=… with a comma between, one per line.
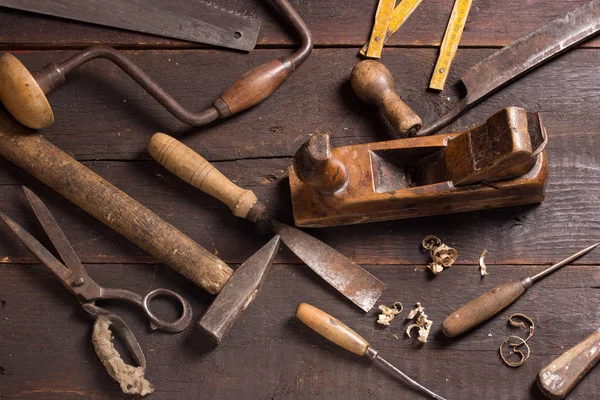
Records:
x=443, y=256
x=388, y=313
x=421, y=322
x=131, y=379
x=482, y=266
x=520, y=341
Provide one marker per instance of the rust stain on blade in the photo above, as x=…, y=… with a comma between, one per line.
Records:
x=358, y=285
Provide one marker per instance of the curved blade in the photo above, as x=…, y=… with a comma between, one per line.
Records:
x=359, y=286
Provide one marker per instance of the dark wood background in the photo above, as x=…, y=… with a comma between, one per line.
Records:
x=105, y=120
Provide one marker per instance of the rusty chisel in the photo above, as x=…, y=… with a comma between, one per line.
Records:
x=359, y=286
x=520, y=57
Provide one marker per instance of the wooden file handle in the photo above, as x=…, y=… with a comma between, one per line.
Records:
x=110, y=205
x=331, y=329
x=482, y=308
x=195, y=170
x=373, y=83
x=559, y=377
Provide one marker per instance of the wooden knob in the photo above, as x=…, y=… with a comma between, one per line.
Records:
x=195, y=170
x=315, y=166
x=373, y=83
x=21, y=94
x=559, y=377
x=331, y=329
x=482, y=308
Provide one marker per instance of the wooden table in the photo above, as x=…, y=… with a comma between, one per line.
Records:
x=105, y=120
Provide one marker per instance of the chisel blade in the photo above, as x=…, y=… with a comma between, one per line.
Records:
x=193, y=20
x=359, y=286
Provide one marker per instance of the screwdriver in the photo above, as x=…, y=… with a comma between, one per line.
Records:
x=492, y=302
x=340, y=334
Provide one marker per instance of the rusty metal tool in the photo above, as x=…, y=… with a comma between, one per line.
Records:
x=339, y=333
x=400, y=14
x=359, y=286
x=24, y=94
x=74, y=277
x=193, y=20
x=497, y=299
x=557, y=379
x=497, y=164
x=520, y=57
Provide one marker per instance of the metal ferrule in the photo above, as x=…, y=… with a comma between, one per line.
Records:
x=371, y=353
x=526, y=282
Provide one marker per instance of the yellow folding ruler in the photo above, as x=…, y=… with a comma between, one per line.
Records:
x=454, y=31
x=384, y=22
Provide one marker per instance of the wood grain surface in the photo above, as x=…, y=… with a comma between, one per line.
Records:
x=105, y=121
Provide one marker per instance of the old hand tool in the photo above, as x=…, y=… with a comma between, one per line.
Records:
x=74, y=277
x=521, y=56
x=384, y=11
x=400, y=14
x=197, y=21
x=557, y=379
x=24, y=94
x=454, y=30
x=359, y=286
x=492, y=302
x=374, y=84
x=421, y=176
x=340, y=334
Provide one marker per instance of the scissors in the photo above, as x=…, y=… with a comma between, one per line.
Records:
x=77, y=281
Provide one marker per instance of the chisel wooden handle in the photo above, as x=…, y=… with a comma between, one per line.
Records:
x=482, y=308
x=559, y=377
x=373, y=83
x=110, y=205
x=195, y=170
x=331, y=329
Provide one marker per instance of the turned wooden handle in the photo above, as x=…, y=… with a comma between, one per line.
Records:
x=252, y=88
x=110, y=205
x=482, y=308
x=331, y=329
x=373, y=83
x=195, y=170
x=559, y=377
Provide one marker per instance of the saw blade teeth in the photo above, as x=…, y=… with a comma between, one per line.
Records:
x=242, y=14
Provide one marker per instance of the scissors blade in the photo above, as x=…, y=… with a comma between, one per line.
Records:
x=37, y=249
x=56, y=235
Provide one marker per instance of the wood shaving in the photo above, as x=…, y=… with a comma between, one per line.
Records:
x=421, y=322
x=388, y=313
x=443, y=256
x=131, y=379
x=482, y=266
x=520, y=341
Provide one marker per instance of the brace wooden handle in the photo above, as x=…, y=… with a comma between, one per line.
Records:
x=110, y=205
x=373, y=83
x=482, y=308
x=559, y=377
x=253, y=87
x=195, y=170
x=331, y=329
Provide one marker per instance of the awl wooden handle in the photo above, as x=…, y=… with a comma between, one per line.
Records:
x=332, y=329
x=559, y=377
x=482, y=308
x=195, y=170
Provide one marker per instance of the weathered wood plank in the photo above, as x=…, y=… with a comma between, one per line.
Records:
x=46, y=351
x=330, y=22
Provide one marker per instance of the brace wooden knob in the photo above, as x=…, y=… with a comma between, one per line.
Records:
x=195, y=170
x=315, y=166
x=373, y=83
x=21, y=94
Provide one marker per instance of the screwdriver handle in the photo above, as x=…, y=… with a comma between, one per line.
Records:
x=195, y=170
x=332, y=329
x=559, y=377
x=482, y=308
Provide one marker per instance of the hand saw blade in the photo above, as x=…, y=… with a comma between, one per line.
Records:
x=521, y=56
x=359, y=286
x=192, y=20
